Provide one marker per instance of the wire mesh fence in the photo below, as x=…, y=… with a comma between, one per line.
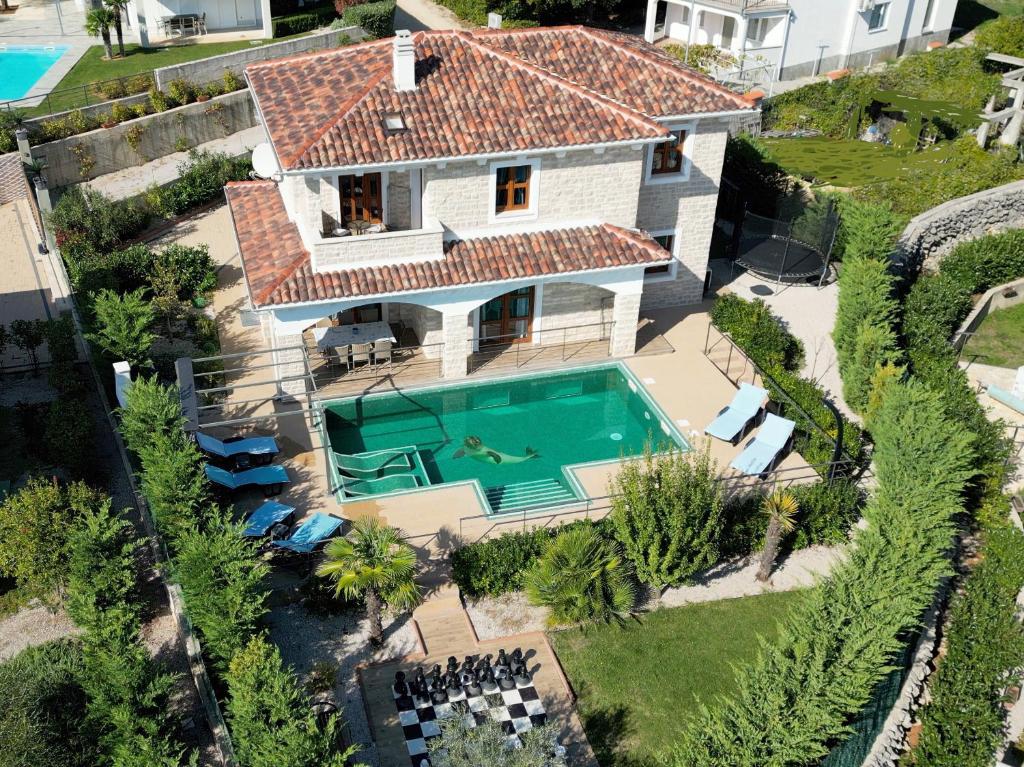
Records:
x=81, y=95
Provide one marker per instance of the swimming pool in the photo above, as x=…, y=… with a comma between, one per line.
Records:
x=515, y=436
x=23, y=65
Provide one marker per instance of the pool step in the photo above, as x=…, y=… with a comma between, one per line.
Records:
x=540, y=492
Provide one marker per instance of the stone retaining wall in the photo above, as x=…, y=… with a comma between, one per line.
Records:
x=213, y=68
x=934, y=233
x=109, y=149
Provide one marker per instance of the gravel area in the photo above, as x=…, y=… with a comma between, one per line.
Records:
x=509, y=614
x=32, y=626
x=342, y=641
x=24, y=387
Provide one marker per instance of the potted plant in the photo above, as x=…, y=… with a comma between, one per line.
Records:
x=107, y=121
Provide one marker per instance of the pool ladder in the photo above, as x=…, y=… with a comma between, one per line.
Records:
x=539, y=492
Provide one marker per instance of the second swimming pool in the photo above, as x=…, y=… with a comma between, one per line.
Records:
x=514, y=436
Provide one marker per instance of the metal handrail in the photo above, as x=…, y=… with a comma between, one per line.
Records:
x=84, y=91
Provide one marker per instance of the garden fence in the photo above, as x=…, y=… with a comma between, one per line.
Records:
x=89, y=94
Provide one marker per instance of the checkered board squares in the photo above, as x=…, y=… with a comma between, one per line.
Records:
x=520, y=709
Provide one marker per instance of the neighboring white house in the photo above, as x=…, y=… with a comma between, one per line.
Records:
x=797, y=38
x=151, y=21
x=481, y=187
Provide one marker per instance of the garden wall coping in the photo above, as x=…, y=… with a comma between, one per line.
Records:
x=994, y=298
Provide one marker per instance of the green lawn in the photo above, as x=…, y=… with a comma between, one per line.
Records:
x=848, y=162
x=999, y=339
x=971, y=13
x=637, y=685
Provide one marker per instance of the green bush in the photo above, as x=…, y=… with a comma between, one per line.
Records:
x=193, y=266
x=68, y=436
x=868, y=230
x=761, y=180
x=963, y=723
x=102, y=573
x=181, y=90
x=1004, y=34
x=221, y=578
x=835, y=644
x=202, y=177
x=86, y=223
x=978, y=265
x=271, y=721
x=666, y=513
x=304, y=21
x=757, y=331
x=498, y=565
x=123, y=325
x=35, y=524
x=582, y=578
x=377, y=18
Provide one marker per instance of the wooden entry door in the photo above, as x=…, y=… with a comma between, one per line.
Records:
x=361, y=198
x=507, y=319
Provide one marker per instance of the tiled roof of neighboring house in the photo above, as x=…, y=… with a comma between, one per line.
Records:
x=620, y=66
x=477, y=93
x=279, y=270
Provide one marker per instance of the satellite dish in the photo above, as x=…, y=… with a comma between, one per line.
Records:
x=264, y=161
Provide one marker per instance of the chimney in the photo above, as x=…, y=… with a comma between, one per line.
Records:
x=493, y=20
x=404, y=61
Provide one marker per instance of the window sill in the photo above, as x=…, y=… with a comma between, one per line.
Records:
x=655, y=179
x=513, y=215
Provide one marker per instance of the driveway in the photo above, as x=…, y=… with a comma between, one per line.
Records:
x=417, y=15
x=25, y=292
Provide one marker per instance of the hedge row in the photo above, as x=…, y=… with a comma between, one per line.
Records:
x=377, y=18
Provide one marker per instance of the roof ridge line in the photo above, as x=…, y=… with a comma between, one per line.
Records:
x=347, y=107
x=687, y=72
x=564, y=82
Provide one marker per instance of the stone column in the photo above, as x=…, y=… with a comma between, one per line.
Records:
x=626, y=318
x=455, y=334
x=289, y=363
x=652, y=12
x=24, y=148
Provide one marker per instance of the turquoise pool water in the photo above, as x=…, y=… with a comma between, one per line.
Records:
x=513, y=435
x=23, y=65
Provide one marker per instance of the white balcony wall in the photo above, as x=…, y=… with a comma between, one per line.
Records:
x=333, y=253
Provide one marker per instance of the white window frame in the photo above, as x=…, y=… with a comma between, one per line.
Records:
x=674, y=266
x=530, y=213
x=684, y=173
x=884, y=9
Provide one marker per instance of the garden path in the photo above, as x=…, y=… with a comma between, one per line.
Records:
x=416, y=15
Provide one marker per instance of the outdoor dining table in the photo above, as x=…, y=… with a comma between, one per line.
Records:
x=344, y=335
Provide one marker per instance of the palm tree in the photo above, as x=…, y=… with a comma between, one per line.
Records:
x=582, y=578
x=97, y=24
x=373, y=562
x=781, y=508
x=117, y=7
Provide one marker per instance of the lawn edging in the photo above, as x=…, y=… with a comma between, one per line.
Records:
x=1000, y=297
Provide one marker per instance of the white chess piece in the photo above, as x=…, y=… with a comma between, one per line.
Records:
x=1018, y=384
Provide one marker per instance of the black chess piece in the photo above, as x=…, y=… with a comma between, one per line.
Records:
x=435, y=679
x=517, y=655
x=490, y=684
x=400, y=686
x=454, y=684
x=521, y=675
x=453, y=663
x=502, y=661
x=472, y=687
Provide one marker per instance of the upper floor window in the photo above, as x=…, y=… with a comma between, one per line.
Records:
x=668, y=156
x=512, y=188
x=878, y=17
x=667, y=240
x=362, y=198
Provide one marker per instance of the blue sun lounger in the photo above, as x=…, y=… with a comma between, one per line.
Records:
x=734, y=419
x=310, y=534
x=763, y=450
x=264, y=447
x=265, y=517
x=1005, y=397
x=271, y=479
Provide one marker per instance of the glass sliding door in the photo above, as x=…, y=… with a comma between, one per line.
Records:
x=507, y=319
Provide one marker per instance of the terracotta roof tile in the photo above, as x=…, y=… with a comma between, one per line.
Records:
x=279, y=270
x=477, y=92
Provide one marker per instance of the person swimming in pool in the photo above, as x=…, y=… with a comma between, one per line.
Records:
x=475, y=448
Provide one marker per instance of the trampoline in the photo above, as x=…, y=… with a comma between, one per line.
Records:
x=795, y=251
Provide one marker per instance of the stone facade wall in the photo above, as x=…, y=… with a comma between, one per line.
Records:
x=399, y=201
x=931, y=235
x=425, y=323
x=386, y=248
x=582, y=186
x=688, y=208
x=570, y=305
x=108, y=149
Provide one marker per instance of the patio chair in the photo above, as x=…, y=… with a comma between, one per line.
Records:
x=1005, y=397
x=389, y=484
x=271, y=513
x=271, y=479
x=763, y=451
x=735, y=419
x=362, y=465
x=202, y=23
x=258, y=449
x=382, y=353
x=361, y=353
x=309, y=534
x=342, y=356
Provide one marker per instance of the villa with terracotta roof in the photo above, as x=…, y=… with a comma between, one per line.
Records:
x=485, y=188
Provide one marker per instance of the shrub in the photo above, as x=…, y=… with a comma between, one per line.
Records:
x=981, y=264
x=34, y=526
x=377, y=18
x=29, y=335
x=193, y=267
x=68, y=436
x=702, y=57
x=232, y=82
x=122, y=326
x=202, y=177
x=828, y=511
x=221, y=577
x=666, y=515
x=272, y=723
x=498, y=565
x=487, y=744
x=102, y=565
x=121, y=113
x=181, y=90
x=962, y=725
x=158, y=100
x=874, y=348
x=868, y=230
x=743, y=525
x=763, y=181
x=305, y=21
x=1004, y=34
x=86, y=223
x=757, y=331
x=834, y=645
x=581, y=578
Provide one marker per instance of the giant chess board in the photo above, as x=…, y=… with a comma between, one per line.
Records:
x=477, y=690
